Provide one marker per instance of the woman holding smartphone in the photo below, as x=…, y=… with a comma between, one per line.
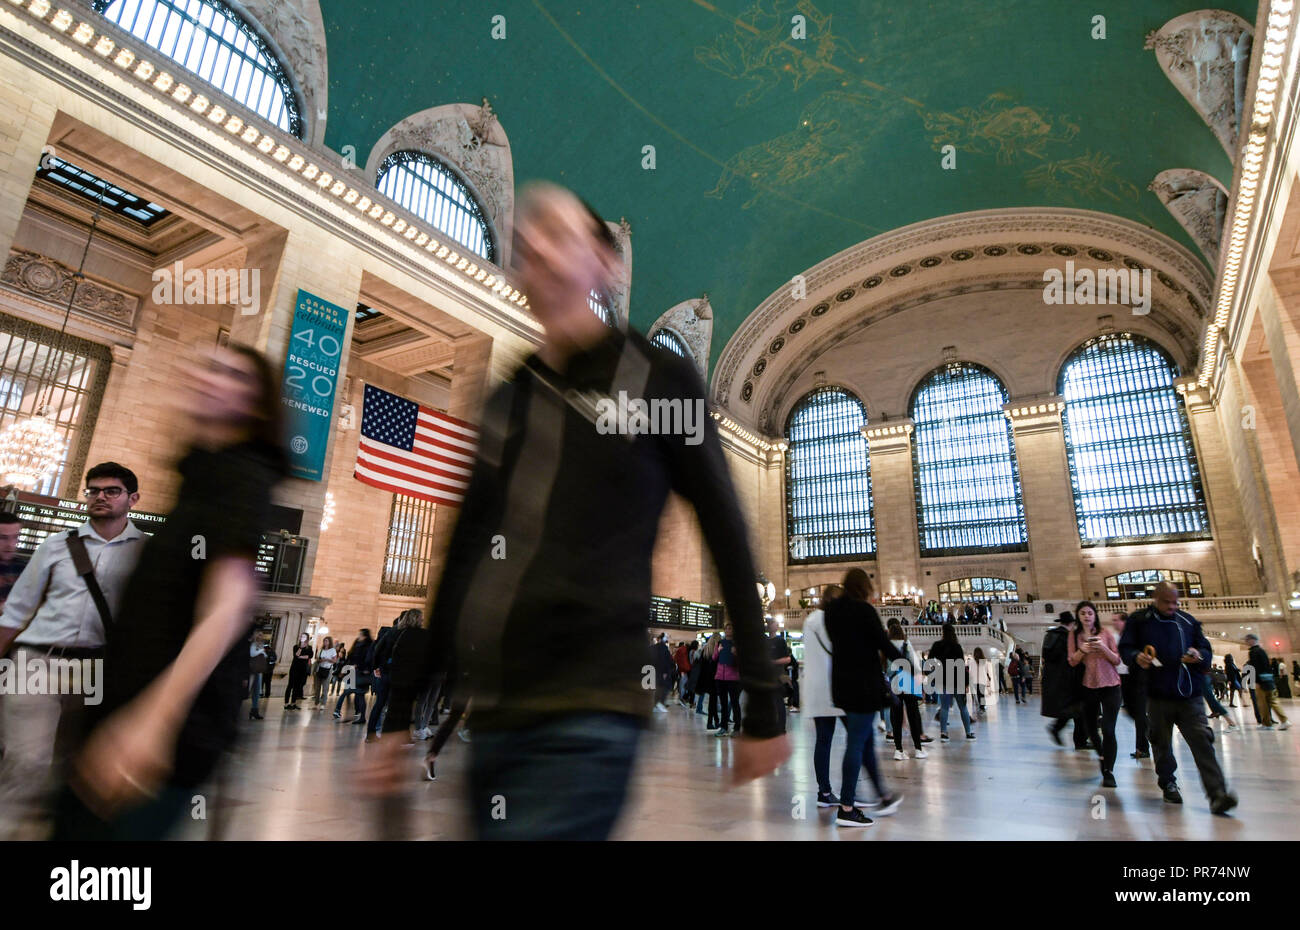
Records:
x=1095, y=648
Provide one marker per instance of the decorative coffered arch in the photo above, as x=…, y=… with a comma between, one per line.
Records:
x=985, y=251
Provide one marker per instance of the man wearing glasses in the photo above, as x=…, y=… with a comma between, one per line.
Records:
x=51, y=614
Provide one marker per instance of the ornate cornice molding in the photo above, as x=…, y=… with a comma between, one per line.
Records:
x=989, y=245
x=52, y=283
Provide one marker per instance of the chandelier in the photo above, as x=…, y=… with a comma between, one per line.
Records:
x=31, y=447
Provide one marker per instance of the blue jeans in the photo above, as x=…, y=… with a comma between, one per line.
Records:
x=945, y=702
x=381, y=702
x=255, y=689
x=561, y=779
x=359, y=692
x=859, y=750
x=1208, y=690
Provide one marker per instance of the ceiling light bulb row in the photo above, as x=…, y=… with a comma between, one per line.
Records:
x=752, y=438
x=1266, y=88
x=300, y=163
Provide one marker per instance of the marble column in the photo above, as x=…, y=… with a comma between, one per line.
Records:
x=893, y=494
x=1045, y=489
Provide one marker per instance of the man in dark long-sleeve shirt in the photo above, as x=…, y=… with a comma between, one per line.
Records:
x=543, y=596
x=1170, y=647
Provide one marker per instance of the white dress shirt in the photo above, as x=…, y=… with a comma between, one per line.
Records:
x=50, y=602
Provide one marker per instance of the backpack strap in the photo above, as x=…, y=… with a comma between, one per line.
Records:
x=86, y=569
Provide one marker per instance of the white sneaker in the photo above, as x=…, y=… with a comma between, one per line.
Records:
x=920, y=754
x=899, y=755
x=1284, y=725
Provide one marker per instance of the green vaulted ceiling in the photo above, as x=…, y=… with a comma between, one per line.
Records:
x=773, y=153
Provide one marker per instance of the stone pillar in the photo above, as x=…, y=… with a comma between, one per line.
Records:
x=1279, y=313
x=324, y=267
x=1227, y=525
x=469, y=382
x=1050, y=519
x=25, y=124
x=893, y=496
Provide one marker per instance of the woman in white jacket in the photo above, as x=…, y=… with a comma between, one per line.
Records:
x=907, y=683
x=815, y=696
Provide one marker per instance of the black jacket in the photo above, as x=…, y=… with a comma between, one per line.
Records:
x=1172, y=637
x=1057, y=685
x=558, y=625
x=857, y=640
x=951, y=679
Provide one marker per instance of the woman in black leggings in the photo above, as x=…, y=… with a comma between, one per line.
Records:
x=906, y=682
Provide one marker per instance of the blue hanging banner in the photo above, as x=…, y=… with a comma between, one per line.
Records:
x=311, y=377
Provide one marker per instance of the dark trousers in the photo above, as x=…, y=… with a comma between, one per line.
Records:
x=911, y=705
x=1104, y=703
x=359, y=693
x=1188, y=715
x=563, y=779
x=381, y=702
x=1018, y=688
x=153, y=819
x=822, y=752
x=729, y=698
x=859, y=750
x=1080, y=727
x=1135, y=702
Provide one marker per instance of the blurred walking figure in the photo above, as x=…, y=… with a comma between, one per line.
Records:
x=178, y=651
x=256, y=669
x=1060, y=700
x=1133, y=689
x=662, y=659
x=1265, y=685
x=907, y=684
x=953, y=680
x=858, y=688
x=577, y=498
x=53, y=613
x=359, y=664
x=706, y=686
x=817, y=693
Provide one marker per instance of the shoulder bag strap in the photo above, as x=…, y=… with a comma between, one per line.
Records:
x=81, y=562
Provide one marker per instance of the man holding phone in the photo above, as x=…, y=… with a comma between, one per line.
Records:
x=1170, y=647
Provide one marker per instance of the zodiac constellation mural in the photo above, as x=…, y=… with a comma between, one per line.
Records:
x=839, y=127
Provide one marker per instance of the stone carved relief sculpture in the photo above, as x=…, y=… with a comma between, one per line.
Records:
x=1199, y=203
x=51, y=282
x=298, y=30
x=471, y=139
x=692, y=322
x=1206, y=54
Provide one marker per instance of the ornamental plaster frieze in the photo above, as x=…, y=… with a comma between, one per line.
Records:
x=768, y=395
x=52, y=284
x=933, y=248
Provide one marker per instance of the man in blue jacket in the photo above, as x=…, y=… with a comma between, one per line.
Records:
x=1170, y=646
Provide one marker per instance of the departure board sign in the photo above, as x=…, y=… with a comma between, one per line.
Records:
x=311, y=376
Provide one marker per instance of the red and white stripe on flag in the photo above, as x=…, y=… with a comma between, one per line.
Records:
x=414, y=450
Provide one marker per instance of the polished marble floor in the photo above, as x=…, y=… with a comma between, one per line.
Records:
x=293, y=779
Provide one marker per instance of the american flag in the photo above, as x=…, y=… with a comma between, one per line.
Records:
x=413, y=450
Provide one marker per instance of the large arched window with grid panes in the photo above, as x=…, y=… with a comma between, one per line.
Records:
x=1132, y=463
x=828, y=479
x=667, y=339
x=429, y=188
x=211, y=40
x=964, y=456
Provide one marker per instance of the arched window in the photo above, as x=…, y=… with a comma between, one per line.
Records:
x=667, y=339
x=214, y=42
x=1132, y=465
x=600, y=306
x=967, y=483
x=828, y=479
x=978, y=590
x=427, y=187
x=1140, y=585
